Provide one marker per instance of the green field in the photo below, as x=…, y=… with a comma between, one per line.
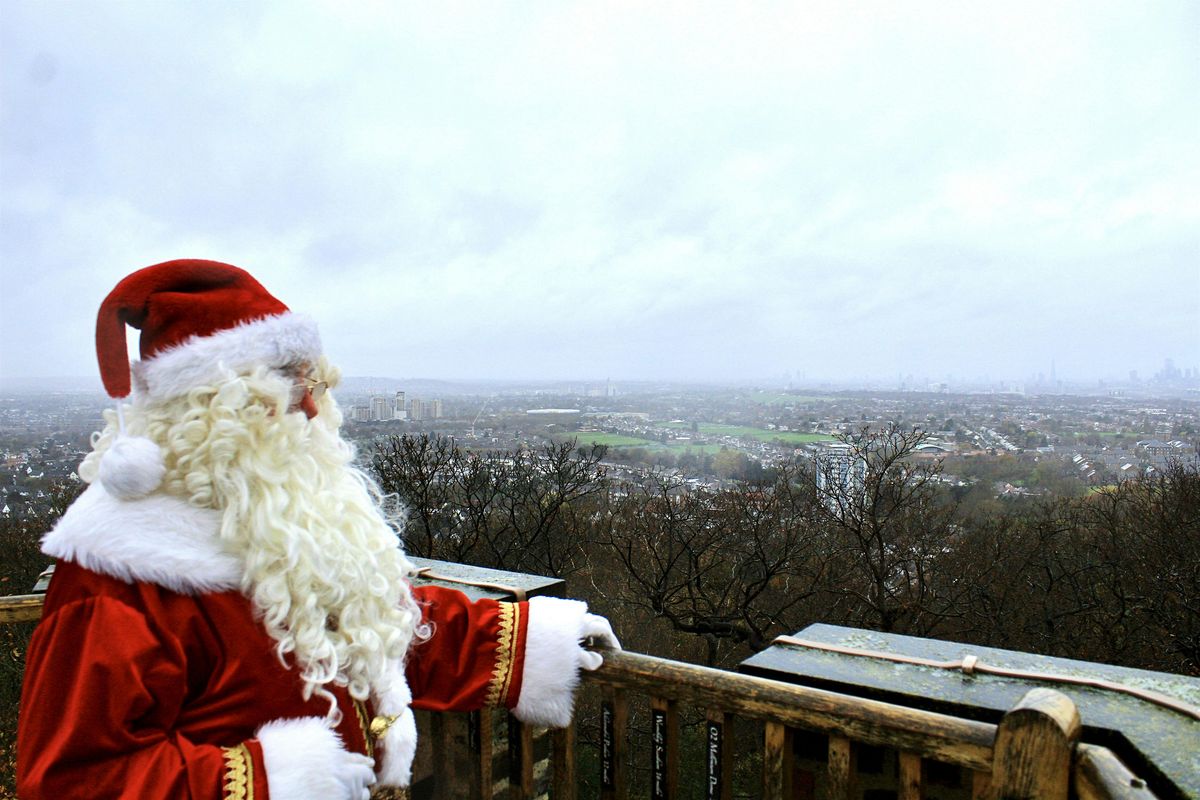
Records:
x=618, y=440
x=761, y=434
x=611, y=439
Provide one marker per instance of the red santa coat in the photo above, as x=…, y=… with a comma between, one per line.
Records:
x=149, y=676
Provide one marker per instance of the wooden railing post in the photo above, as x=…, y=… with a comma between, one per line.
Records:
x=911, y=786
x=562, y=754
x=718, y=767
x=479, y=735
x=777, y=761
x=520, y=759
x=614, y=728
x=840, y=769
x=664, y=749
x=1033, y=750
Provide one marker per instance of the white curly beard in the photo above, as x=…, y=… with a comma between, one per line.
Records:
x=322, y=564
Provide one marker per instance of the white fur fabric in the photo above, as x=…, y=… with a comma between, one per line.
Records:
x=551, y=672
x=394, y=752
x=302, y=758
x=158, y=539
x=132, y=467
x=201, y=360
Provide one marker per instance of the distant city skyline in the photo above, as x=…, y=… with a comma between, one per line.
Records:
x=849, y=192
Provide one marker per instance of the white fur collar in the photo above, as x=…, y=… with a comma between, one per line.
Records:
x=158, y=539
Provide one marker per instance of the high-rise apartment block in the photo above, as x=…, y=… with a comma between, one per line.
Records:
x=380, y=408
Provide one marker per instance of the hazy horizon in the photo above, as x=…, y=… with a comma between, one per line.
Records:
x=638, y=191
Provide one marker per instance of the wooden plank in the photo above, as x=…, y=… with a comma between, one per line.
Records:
x=1100, y=775
x=21, y=608
x=520, y=759
x=939, y=737
x=482, y=747
x=1034, y=744
x=562, y=754
x=840, y=769
x=777, y=761
x=614, y=727
x=718, y=761
x=664, y=749
x=910, y=777
x=457, y=774
x=981, y=785
x=423, y=767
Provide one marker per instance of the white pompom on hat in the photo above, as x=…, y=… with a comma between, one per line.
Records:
x=197, y=319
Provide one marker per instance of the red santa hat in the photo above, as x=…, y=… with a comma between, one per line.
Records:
x=198, y=320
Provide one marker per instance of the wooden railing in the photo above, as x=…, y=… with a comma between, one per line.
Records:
x=1034, y=751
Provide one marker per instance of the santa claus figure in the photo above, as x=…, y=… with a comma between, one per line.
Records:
x=231, y=615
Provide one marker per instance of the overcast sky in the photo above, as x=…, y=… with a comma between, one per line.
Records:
x=627, y=190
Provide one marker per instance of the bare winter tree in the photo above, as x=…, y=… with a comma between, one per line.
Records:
x=732, y=567
x=511, y=510
x=889, y=526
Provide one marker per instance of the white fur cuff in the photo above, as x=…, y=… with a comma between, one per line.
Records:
x=302, y=758
x=395, y=750
x=552, y=659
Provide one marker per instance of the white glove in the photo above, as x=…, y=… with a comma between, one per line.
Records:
x=356, y=773
x=595, y=630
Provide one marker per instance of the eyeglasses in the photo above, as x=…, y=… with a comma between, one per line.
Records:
x=308, y=386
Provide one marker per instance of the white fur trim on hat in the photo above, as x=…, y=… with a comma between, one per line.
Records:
x=202, y=360
x=552, y=660
x=132, y=467
x=158, y=539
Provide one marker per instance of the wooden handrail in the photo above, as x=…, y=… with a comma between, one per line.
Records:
x=1095, y=772
x=966, y=743
x=21, y=608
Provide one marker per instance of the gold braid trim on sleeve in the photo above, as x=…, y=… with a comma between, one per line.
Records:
x=364, y=724
x=506, y=644
x=239, y=773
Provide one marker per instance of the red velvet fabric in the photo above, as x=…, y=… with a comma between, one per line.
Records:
x=131, y=690
x=453, y=670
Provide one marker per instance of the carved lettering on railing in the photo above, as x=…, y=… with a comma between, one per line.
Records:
x=713, y=763
x=606, y=745
x=659, y=763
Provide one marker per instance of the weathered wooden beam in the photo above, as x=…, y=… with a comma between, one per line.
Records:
x=777, y=761
x=1100, y=775
x=981, y=785
x=21, y=608
x=562, y=754
x=1034, y=745
x=840, y=769
x=935, y=736
x=911, y=786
